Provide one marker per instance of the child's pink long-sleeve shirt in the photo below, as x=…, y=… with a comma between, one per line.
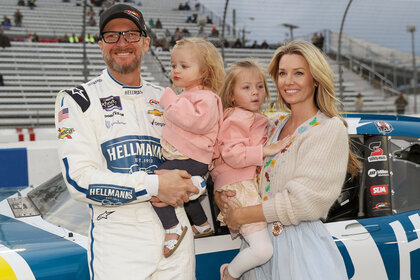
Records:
x=240, y=144
x=192, y=122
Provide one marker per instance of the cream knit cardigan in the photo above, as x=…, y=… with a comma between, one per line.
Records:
x=306, y=178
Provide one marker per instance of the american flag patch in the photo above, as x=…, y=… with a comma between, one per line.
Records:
x=63, y=114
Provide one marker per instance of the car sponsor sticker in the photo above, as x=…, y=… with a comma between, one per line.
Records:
x=376, y=152
x=379, y=189
x=373, y=173
x=384, y=127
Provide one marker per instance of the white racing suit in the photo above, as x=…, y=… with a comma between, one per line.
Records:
x=109, y=140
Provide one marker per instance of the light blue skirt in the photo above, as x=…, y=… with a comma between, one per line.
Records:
x=303, y=252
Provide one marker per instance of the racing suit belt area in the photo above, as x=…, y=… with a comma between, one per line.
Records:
x=108, y=141
x=132, y=256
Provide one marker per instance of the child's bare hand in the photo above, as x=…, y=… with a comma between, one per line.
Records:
x=276, y=147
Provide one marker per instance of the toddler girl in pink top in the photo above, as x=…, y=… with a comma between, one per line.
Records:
x=241, y=147
x=192, y=122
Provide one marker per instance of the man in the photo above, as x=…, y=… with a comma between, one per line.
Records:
x=400, y=104
x=109, y=146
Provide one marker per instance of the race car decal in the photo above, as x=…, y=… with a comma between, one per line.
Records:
x=74, y=265
x=402, y=241
x=384, y=127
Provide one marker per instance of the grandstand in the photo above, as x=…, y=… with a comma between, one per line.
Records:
x=34, y=72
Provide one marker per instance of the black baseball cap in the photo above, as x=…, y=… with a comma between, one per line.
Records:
x=122, y=11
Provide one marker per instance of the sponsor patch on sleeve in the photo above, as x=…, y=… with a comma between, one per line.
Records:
x=65, y=132
x=110, y=194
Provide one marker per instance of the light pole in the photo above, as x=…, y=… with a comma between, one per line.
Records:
x=412, y=29
x=223, y=31
x=291, y=26
x=340, y=74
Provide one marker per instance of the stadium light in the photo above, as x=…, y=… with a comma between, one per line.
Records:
x=340, y=74
x=291, y=27
x=412, y=29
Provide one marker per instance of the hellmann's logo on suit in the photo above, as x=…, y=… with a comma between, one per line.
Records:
x=130, y=154
x=110, y=194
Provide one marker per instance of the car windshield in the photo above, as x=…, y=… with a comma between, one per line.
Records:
x=57, y=207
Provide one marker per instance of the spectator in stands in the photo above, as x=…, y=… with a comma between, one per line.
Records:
x=64, y=39
x=35, y=37
x=168, y=33
x=6, y=23
x=158, y=24
x=194, y=18
x=187, y=6
x=92, y=21
x=18, y=18
x=133, y=229
x=31, y=4
x=151, y=23
x=209, y=20
x=185, y=32
x=177, y=32
x=73, y=38
x=1, y=80
x=400, y=103
x=201, y=33
x=180, y=7
x=358, y=103
x=89, y=38
x=214, y=32
x=197, y=6
x=237, y=44
x=4, y=40
x=264, y=45
x=91, y=12
x=21, y=3
x=321, y=42
x=226, y=43
x=254, y=45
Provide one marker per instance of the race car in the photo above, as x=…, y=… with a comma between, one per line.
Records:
x=375, y=221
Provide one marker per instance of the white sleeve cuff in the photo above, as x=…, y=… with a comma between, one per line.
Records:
x=151, y=183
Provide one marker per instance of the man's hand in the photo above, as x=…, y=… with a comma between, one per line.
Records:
x=156, y=202
x=175, y=186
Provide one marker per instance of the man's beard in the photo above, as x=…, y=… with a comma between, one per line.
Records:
x=123, y=69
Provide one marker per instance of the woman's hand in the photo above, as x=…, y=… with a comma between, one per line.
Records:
x=231, y=216
x=222, y=199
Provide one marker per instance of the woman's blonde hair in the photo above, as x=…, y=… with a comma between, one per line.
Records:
x=211, y=62
x=226, y=92
x=321, y=72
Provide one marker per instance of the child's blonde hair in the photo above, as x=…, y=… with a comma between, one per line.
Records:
x=211, y=62
x=226, y=92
